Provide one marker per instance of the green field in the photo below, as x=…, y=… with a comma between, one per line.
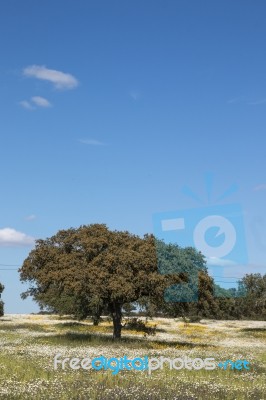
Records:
x=29, y=344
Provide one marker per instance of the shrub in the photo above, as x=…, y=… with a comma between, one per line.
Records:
x=194, y=318
x=138, y=325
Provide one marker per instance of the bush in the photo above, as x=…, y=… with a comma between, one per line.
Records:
x=137, y=324
x=194, y=318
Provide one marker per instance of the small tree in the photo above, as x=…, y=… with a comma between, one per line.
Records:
x=251, y=293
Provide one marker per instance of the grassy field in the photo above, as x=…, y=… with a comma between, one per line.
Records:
x=30, y=342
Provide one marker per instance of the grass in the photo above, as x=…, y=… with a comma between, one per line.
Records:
x=28, y=347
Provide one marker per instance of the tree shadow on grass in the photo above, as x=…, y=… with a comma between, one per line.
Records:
x=73, y=324
x=253, y=330
x=77, y=338
x=30, y=326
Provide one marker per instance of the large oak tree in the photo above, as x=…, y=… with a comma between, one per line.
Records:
x=91, y=269
x=88, y=269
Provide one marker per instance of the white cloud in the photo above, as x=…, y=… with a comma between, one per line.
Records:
x=35, y=101
x=13, y=238
x=91, y=142
x=262, y=186
x=41, y=101
x=30, y=217
x=220, y=262
x=26, y=104
x=60, y=80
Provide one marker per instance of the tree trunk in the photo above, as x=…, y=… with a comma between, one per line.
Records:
x=116, y=311
x=96, y=321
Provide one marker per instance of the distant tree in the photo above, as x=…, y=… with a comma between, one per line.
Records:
x=248, y=301
x=129, y=309
x=88, y=269
x=251, y=301
x=1, y=302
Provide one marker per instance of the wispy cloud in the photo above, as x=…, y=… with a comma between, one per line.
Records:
x=135, y=95
x=30, y=217
x=236, y=100
x=246, y=100
x=26, y=104
x=257, y=102
x=35, y=101
x=59, y=79
x=11, y=237
x=262, y=186
x=41, y=101
x=92, y=142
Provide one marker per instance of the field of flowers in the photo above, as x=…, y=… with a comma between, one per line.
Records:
x=30, y=342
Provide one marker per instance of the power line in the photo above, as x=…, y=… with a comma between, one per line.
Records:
x=227, y=277
x=10, y=265
x=8, y=269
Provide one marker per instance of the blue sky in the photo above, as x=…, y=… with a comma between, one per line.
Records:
x=108, y=108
